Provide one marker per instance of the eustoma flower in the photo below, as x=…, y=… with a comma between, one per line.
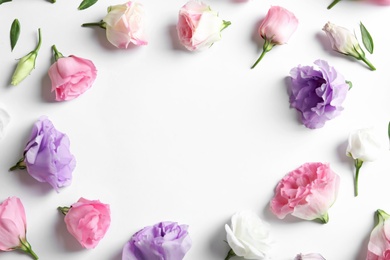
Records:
x=379, y=244
x=162, y=241
x=124, y=24
x=363, y=145
x=70, y=76
x=345, y=42
x=26, y=64
x=46, y=156
x=317, y=93
x=13, y=227
x=87, y=221
x=311, y=256
x=4, y=120
x=276, y=29
x=306, y=192
x=378, y=2
x=248, y=237
x=199, y=26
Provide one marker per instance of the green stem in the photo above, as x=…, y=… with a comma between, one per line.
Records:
x=225, y=24
x=333, y=4
x=266, y=48
x=366, y=61
x=57, y=54
x=19, y=165
x=101, y=24
x=64, y=210
x=39, y=41
x=26, y=247
x=230, y=254
x=358, y=165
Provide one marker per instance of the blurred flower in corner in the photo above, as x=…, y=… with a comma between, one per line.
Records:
x=317, y=93
x=364, y=145
x=46, y=156
x=379, y=243
x=26, y=64
x=5, y=118
x=163, y=241
x=248, y=237
x=306, y=192
x=198, y=26
x=124, y=24
x=13, y=227
x=87, y=221
x=276, y=29
x=70, y=76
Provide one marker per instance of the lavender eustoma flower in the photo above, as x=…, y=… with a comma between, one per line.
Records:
x=163, y=241
x=318, y=93
x=46, y=156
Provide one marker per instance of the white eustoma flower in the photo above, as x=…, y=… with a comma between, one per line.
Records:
x=311, y=256
x=248, y=236
x=345, y=42
x=4, y=120
x=363, y=145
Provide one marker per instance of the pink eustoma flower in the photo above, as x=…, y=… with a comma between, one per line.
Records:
x=276, y=29
x=198, y=26
x=125, y=24
x=379, y=244
x=71, y=76
x=13, y=227
x=87, y=220
x=306, y=192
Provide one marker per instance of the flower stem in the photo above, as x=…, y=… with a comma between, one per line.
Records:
x=39, y=41
x=26, y=247
x=230, y=254
x=333, y=4
x=266, y=48
x=369, y=64
x=225, y=24
x=19, y=165
x=57, y=54
x=64, y=210
x=101, y=24
x=358, y=165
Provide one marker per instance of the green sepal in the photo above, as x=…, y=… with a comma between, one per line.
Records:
x=14, y=33
x=4, y=1
x=86, y=3
x=349, y=84
x=366, y=38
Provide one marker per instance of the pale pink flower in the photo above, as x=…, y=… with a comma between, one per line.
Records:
x=306, y=192
x=87, y=220
x=124, y=24
x=310, y=256
x=276, y=28
x=13, y=227
x=198, y=26
x=379, y=244
x=71, y=76
x=380, y=2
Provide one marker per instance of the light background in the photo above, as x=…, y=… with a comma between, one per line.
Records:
x=169, y=135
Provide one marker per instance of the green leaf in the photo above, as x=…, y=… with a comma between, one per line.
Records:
x=367, y=39
x=388, y=130
x=14, y=33
x=85, y=4
x=4, y=1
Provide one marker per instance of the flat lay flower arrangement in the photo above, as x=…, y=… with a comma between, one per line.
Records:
x=194, y=130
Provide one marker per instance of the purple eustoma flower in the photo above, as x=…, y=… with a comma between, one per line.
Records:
x=317, y=93
x=163, y=241
x=46, y=156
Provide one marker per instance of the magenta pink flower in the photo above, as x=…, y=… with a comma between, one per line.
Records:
x=70, y=76
x=379, y=244
x=276, y=29
x=13, y=227
x=87, y=220
x=380, y=2
x=306, y=192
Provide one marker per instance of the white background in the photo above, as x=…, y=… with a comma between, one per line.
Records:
x=169, y=135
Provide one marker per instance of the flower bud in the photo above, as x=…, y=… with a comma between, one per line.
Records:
x=26, y=64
